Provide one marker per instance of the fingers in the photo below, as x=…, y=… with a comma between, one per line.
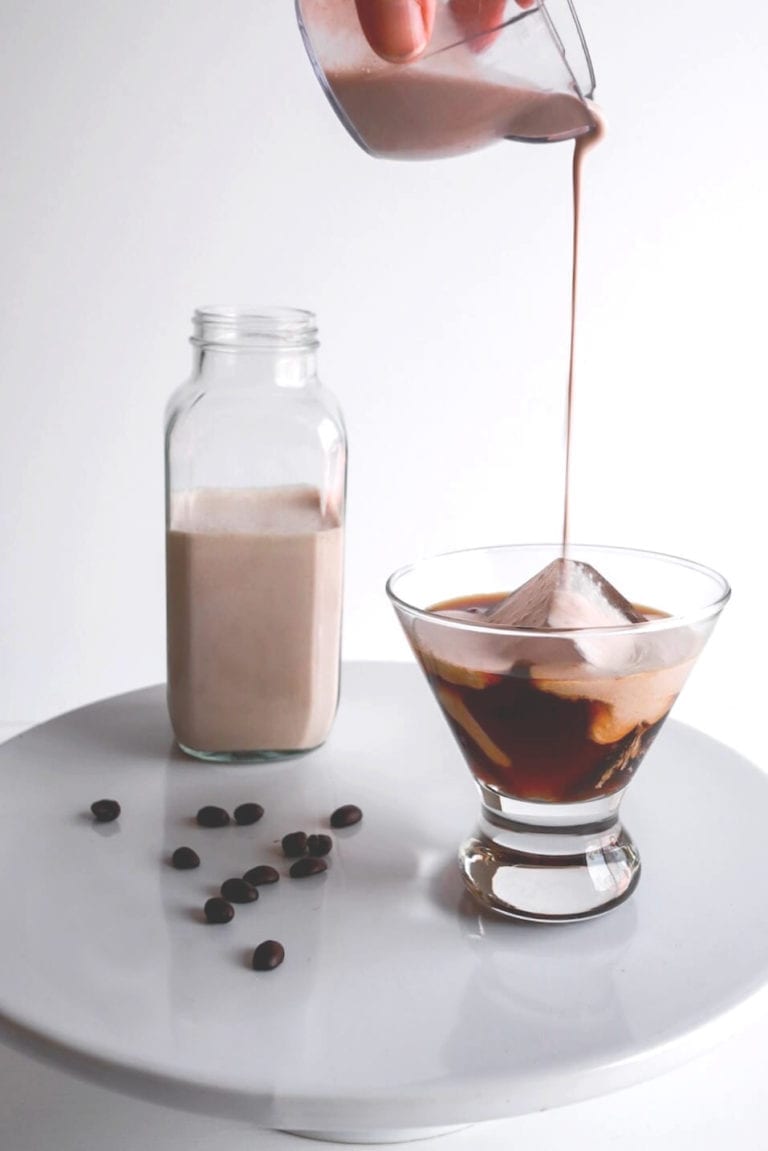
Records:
x=398, y=30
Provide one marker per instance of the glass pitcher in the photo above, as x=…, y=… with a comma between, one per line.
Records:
x=492, y=70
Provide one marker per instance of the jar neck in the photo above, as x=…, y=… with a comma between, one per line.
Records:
x=270, y=347
x=253, y=368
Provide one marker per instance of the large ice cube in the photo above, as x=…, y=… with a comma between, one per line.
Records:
x=569, y=594
x=565, y=594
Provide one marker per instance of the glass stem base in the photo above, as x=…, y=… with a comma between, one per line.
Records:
x=551, y=863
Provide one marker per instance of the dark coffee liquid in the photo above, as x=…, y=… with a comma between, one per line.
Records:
x=522, y=738
x=536, y=747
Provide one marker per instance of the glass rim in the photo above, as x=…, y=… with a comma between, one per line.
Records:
x=663, y=623
x=586, y=91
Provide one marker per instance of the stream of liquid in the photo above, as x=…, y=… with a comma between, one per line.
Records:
x=445, y=106
x=581, y=146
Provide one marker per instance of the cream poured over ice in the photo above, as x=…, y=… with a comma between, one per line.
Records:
x=446, y=104
x=565, y=594
x=254, y=611
x=545, y=710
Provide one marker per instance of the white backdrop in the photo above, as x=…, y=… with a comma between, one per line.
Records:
x=157, y=157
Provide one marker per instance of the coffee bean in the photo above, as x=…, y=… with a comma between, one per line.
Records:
x=346, y=816
x=307, y=866
x=184, y=859
x=105, y=810
x=248, y=813
x=294, y=844
x=262, y=874
x=239, y=891
x=212, y=817
x=319, y=844
x=218, y=910
x=268, y=955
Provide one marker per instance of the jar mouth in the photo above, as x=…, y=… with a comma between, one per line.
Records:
x=270, y=327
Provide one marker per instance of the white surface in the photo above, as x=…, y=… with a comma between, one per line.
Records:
x=156, y=157
x=112, y=973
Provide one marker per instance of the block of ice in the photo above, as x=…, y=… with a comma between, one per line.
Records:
x=571, y=595
x=565, y=594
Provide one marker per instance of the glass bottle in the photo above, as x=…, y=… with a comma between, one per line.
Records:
x=255, y=488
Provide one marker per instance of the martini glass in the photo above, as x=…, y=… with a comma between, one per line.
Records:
x=553, y=724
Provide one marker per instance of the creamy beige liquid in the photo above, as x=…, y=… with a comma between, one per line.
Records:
x=417, y=112
x=581, y=146
x=254, y=590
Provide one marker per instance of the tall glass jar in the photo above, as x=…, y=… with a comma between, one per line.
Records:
x=255, y=488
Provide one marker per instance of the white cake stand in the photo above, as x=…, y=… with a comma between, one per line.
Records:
x=400, y=1010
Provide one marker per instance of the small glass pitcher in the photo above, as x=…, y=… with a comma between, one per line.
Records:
x=492, y=70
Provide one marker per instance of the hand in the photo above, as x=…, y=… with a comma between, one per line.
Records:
x=399, y=30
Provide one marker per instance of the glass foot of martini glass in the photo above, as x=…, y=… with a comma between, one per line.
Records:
x=566, y=862
x=553, y=722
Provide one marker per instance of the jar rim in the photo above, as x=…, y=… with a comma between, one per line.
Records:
x=271, y=326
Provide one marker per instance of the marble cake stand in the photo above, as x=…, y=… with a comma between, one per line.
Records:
x=401, y=1010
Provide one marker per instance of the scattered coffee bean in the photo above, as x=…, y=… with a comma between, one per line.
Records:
x=105, y=810
x=248, y=813
x=268, y=955
x=309, y=865
x=212, y=817
x=184, y=858
x=218, y=910
x=319, y=844
x=239, y=891
x=346, y=816
x=294, y=844
x=261, y=874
